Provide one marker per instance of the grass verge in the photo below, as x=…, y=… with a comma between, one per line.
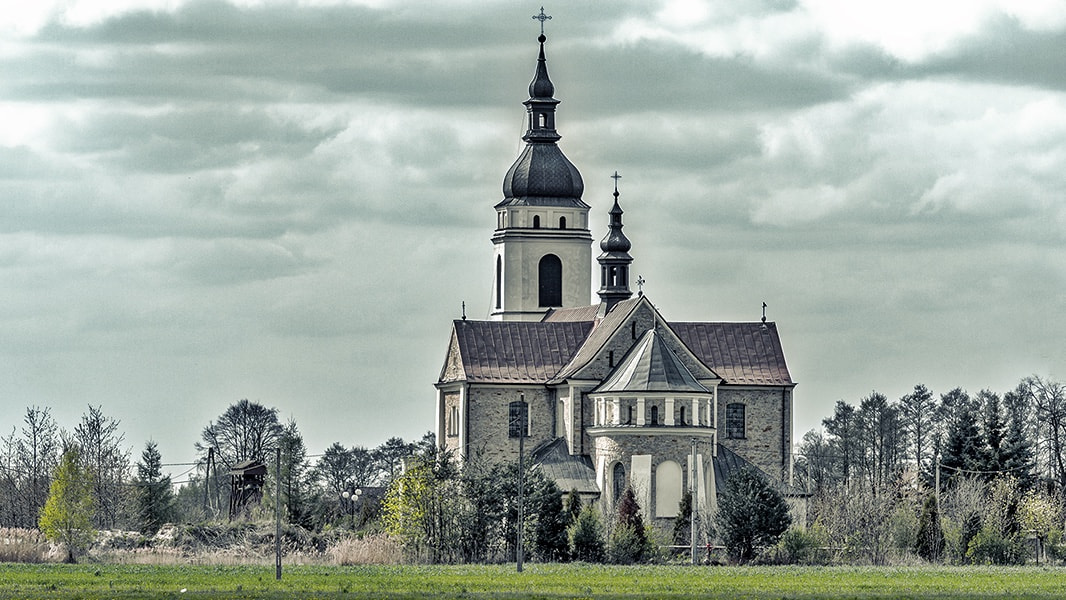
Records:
x=537, y=581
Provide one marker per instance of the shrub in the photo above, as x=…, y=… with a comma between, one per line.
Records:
x=751, y=514
x=377, y=549
x=22, y=545
x=930, y=542
x=586, y=537
x=798, y=547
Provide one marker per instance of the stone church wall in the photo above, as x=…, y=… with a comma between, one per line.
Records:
x=766, y=411
x=488, y=417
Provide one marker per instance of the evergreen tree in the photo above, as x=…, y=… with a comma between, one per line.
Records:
x=751, y=514
x=1017, y=445
x=155, y=499
x=586, y=537
x=295, y=492
x=573, y=506
x=930, y=542
x=683, y=520
x=68, y=512
x=918, y=410
x=992, y=455
x=629, y=540
x=962, y=448
x=549, y=540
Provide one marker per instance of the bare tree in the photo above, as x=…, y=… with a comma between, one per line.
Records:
x=246, y=431
x=1049, y=399
x=104, y=458
x=918, y=411
x=36, y=457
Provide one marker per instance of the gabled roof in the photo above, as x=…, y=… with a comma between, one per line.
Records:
x=517, y=351
x=651, y=366
x=599, y=336
x=741, y=353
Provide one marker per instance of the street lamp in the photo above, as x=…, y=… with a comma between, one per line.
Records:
x=350, y=499
x=519, y=423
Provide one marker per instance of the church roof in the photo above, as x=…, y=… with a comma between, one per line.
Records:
x=569, y=472
x=517, y=351
x=556, y=348
x=741, y=353
x=651, y=366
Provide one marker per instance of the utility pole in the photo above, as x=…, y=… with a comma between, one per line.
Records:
x=692, y=500
x=277, y=513
x=936, y=479
x=523, y=422
x=207, y=478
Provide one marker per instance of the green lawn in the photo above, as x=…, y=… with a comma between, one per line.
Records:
x=538, y=581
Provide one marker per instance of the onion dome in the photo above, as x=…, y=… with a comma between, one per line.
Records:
x=615, y=242
x=542, y=175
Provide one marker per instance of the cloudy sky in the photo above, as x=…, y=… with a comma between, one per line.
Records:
x=288, y=201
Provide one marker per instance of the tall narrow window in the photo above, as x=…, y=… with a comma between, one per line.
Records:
x=681, y=421
x=618, y=480
x=536, y=221
x=734, y=421
x=550, y=280
x=453, y=422
x=562, y=222
x=517, y=419
x=654, y=415
x=499, y=281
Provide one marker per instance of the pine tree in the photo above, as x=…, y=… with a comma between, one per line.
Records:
x=68, y=512
x=683, y=520
x=918, y=410
x=961, y=449
x=1017, y=445
x=930, y=542
x=155, y=499
x=573, y=505
x=629, y=540
x=586, y=537
x=751, y=514
x=991, y=456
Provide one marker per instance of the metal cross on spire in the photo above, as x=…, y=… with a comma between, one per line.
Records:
x=616, y=177
x=640, y=285
x=542, y=18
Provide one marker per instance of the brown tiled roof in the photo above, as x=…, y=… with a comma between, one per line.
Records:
x=517, y=351
x=741, y=353
x=578, y=313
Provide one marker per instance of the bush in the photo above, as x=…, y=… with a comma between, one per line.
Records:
x=627, y=545
x=586, y=537
x=930, y=542
x=22, y=545
x=751, y=514
x=377, y=549
x=798, y=547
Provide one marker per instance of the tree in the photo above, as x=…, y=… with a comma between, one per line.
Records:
x=155, y=499
x=1049, y=399
x=629, y=541
x=1017, y=445
x=68, y=512
x=842, y=428
x=107, y=462
x=245, y=431
x=36, y=456
x=683, y=520
x=918, y=411
x=751, y=514
x=992, y=456
x=586, y=536
x=294, y=477
x=930, y=542
x=962, y=447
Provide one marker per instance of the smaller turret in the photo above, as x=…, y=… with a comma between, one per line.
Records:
x=615, y=260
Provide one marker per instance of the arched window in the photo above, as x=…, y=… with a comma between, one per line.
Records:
x=536, y=221
x=618, y=480
x=550, y=280
x=681, y=421
x=562, y=222
x=499, y=281
x=668, y=489
x=734, y=421
x=654, y=414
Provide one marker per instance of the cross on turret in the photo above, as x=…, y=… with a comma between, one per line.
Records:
x=542, y=18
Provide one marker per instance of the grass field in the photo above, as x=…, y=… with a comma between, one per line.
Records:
x=538, y=581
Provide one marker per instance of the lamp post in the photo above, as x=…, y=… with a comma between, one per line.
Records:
x=692, y=489
x=350, y=500
x=522, y=419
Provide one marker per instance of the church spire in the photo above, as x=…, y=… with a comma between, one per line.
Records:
x=615, y=260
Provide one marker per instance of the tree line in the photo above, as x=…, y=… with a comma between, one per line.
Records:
x=137, y=495
x=959, y=477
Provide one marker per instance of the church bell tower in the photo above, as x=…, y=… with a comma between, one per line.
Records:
x=542, y=245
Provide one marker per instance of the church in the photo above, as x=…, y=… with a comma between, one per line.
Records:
x=611, y=394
